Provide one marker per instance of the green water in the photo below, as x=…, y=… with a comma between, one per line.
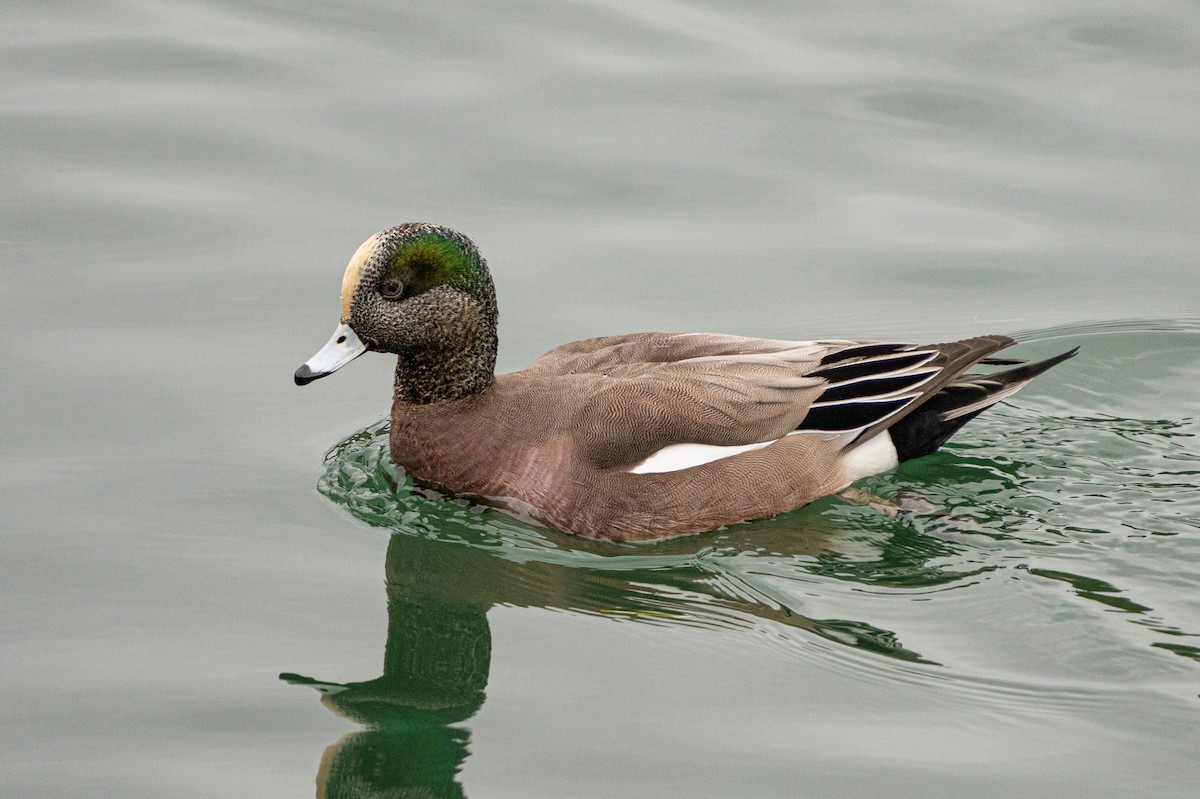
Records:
x=181, y=526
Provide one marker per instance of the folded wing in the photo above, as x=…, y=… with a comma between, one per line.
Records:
x=651, y=391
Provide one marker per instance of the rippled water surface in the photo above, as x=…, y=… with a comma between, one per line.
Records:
x=214, y=586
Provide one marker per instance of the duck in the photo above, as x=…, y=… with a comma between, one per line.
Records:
x=642, y=436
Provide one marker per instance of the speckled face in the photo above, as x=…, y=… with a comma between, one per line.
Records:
x=398, y=265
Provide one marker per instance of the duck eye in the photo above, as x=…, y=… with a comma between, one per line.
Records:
x=391, y=289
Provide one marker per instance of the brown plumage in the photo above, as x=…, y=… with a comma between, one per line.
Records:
x=617, y=437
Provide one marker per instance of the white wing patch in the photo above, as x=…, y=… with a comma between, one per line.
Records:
x=873, y=456
x=675, y=457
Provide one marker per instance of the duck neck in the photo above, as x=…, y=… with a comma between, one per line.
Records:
x=446, y=374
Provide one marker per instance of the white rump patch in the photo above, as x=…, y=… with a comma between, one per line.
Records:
x=684, y=456
x=876, y=454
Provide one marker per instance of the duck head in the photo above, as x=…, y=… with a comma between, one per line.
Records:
x=423, y=293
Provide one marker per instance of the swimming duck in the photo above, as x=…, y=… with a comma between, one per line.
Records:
x=642, y=436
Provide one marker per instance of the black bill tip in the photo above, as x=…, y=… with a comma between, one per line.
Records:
x=304, y=375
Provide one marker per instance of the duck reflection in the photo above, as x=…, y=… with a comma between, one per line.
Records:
x=435, y=672
x=438, y=650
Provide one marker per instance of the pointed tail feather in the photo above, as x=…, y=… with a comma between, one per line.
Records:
x=951, y=359
x=940, y=417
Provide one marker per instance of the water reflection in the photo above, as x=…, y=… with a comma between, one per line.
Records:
x=435, y=671
x=438, y=649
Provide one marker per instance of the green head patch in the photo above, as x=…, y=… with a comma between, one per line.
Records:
x=433, y=259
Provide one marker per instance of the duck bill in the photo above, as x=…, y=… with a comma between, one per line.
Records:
x=342, y=348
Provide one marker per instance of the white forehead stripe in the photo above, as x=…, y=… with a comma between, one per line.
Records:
x=354, y=272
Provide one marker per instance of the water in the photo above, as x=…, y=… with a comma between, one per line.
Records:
x=185, y=182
